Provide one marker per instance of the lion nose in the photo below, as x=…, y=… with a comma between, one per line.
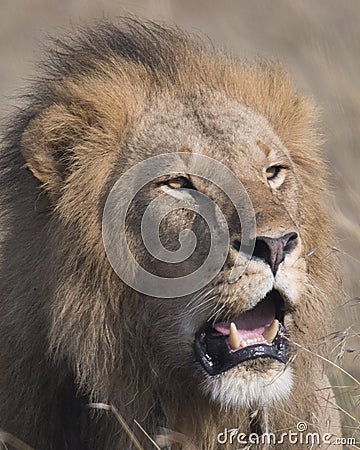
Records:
x=273, y=250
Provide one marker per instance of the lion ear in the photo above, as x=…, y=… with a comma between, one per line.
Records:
x=47, y=146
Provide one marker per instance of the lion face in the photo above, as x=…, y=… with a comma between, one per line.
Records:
x=230, y=337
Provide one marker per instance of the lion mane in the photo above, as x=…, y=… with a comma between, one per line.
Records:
x=72, y=333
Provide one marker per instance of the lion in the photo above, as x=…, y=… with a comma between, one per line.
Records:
x=237, y=358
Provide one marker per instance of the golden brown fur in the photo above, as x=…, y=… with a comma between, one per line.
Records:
x=71, y=332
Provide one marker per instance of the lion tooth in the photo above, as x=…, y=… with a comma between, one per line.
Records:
x=271, y=331
x=234, y=338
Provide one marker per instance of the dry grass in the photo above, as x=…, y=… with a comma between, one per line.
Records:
x=7, y=438
x=346, y=387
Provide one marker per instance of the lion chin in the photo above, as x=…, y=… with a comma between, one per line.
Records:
x=239, y=388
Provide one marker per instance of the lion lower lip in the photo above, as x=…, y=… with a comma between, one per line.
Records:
x=256, y=334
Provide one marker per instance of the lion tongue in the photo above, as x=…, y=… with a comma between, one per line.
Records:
x=251, y=327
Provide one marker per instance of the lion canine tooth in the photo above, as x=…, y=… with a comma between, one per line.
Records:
x=234, y=338
x=271, y=331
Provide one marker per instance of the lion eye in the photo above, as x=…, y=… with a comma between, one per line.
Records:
x=180, y=183
x=272, y=172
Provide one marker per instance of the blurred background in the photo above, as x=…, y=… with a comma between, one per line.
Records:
x=318, y=40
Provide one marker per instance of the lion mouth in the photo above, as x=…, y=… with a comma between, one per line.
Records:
x=257, y=333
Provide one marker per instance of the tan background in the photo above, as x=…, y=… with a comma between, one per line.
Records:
x=319, y=40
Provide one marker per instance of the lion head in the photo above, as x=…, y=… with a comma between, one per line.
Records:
x=114, y=98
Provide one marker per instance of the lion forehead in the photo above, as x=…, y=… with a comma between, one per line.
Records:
x=209, y=123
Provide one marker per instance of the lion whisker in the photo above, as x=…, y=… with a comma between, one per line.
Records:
x=200, y=295
x=214, y=317
x=202, y=304
x=202, y=308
